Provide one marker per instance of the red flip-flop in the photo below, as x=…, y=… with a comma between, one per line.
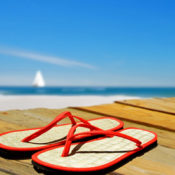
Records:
x=94, y=155
x=52, y=134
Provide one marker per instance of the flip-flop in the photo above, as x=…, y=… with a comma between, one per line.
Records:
x=94, y=155
x=52, y=134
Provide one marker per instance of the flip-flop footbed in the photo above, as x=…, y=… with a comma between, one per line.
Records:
x=13, y=140
x=96, y=154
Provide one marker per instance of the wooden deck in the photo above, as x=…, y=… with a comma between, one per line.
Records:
x=157, y=115
x=165, y=105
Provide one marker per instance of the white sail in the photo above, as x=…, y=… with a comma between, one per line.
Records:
x=39, y=80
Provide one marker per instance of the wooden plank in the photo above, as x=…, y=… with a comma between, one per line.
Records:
x=16, y=167
x=160, y=160
x=21, y=119
x=166, y=105
x=154, y=162
x=172, y=99
x=138, y=115
x=166, y=138
x=36, y=117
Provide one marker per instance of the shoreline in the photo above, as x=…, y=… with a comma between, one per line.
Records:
x=11, y=102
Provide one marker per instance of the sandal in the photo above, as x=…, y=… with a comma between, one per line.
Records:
x=52, y=134
x=93, y=155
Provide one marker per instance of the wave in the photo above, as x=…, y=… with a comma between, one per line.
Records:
x=99, y=91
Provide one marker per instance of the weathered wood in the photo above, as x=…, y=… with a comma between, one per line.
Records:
x=138, y=115
x=165, y=138
x=172, y=99
x=34, y=118
x=156, y=161
x=160, y=160
x=165, y=105
x=16, y=167
x=22, y=119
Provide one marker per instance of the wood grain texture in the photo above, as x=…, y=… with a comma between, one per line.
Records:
x=138, y=115
x=172, y=99
x=16, y=167
x=158, y=161
x=165, y=105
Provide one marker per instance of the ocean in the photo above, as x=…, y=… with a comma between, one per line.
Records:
x=144, y=92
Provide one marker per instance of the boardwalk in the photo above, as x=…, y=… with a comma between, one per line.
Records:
x=157, y=115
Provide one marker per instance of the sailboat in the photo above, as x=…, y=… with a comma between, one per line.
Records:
x=39, y=80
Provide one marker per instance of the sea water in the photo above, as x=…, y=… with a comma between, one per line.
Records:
x=102, y=91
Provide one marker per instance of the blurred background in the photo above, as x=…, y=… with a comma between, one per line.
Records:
x=88, y=47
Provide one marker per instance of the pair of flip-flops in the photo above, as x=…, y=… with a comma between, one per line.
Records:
x=108, y=143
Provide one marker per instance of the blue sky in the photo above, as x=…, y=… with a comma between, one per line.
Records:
x=88, y=43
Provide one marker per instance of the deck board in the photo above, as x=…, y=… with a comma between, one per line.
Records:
x=166, y=105
x=131, y=113
x=159, y=160
x=172, y=99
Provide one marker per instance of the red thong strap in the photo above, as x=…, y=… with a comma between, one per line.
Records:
x=93, y=132
x=53, y=123
x=72, y=137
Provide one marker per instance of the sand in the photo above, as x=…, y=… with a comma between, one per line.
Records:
x=55, y=102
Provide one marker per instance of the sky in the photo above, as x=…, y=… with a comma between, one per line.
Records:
x=88, y=42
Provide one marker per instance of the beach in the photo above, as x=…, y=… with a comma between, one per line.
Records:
x=11, y=102
x=86, y=87
x=61, y=97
